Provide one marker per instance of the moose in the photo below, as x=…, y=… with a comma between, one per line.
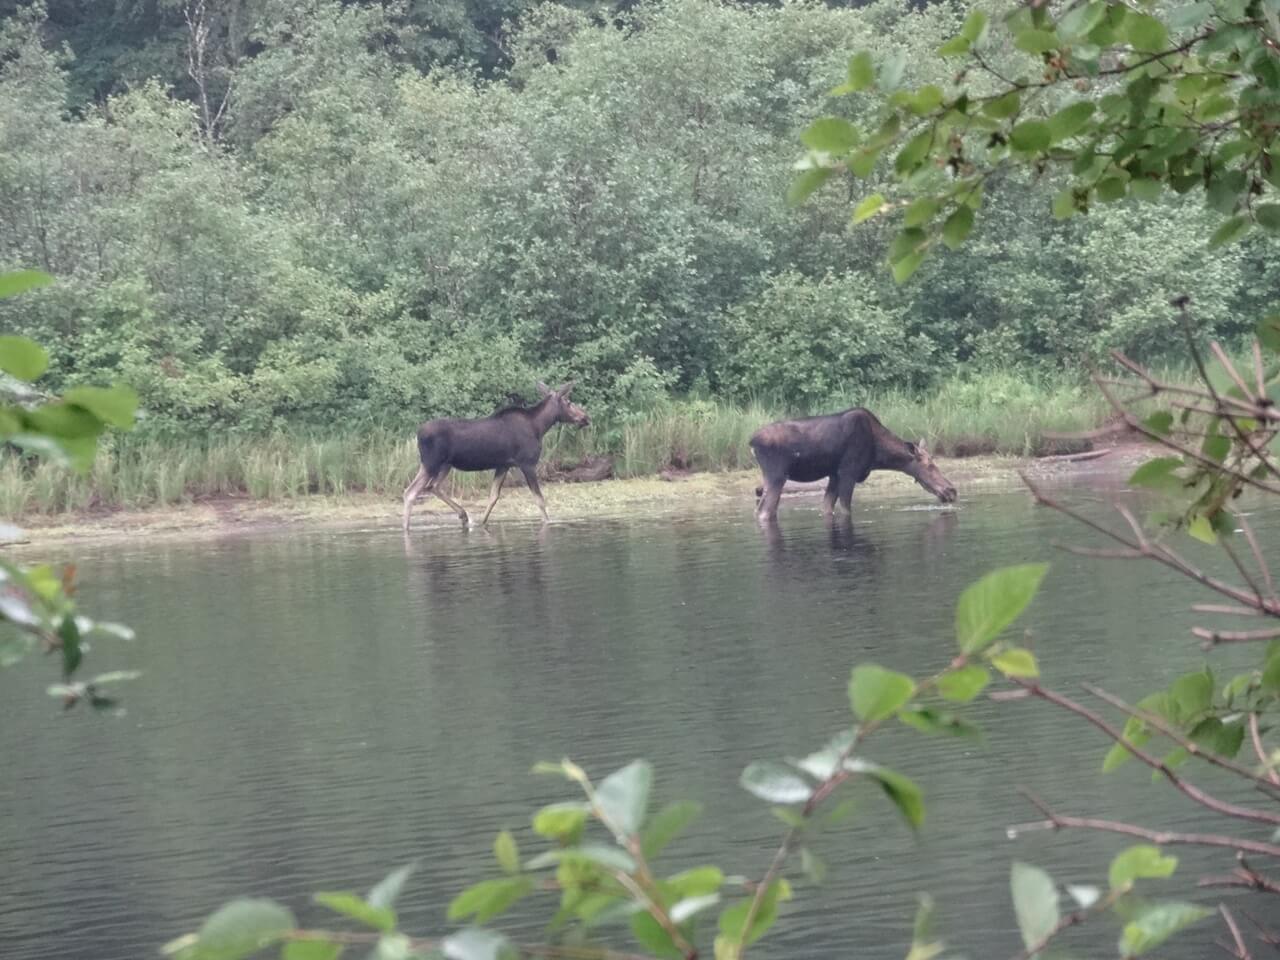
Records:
x=843, y=447
x=511, y=437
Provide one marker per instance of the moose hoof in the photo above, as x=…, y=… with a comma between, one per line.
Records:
x=466, y=520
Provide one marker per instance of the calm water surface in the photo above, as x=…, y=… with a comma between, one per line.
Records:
x=320, y=706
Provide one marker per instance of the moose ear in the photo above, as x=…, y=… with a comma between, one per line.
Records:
x=544, y=389
x=912, y=448
x=920, y=444
x=565, y=389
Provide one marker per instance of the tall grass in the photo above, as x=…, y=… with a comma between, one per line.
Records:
x=999, y=412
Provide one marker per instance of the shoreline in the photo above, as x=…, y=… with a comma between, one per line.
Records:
x=654, y=495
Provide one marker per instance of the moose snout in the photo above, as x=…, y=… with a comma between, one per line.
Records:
x=948, y=494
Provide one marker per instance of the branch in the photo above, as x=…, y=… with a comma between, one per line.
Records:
x=1241, y=951
x=1188, y=789
x=1256, y=736
x=1212, y=638
x=1186, y=743
x=1161, y=838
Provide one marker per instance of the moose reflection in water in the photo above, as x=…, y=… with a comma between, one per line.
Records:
x=843, y=447
x=512, y=437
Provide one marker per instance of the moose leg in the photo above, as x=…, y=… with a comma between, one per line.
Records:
x=829, y=497
x=434, y=486
x=412, y=492
x=494, y=491
x=531, y=478
x=844, y=492
x=768, y=509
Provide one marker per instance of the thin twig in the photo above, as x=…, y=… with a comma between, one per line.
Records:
x=1258, y=558
x=1241, y=952
x=1186, y=743
x=1214, y=637
x=1189, y=790
x=1256, y=736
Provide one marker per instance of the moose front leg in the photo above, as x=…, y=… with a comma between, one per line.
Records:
x=494, y=492
x=531, y=478
x=829, y=497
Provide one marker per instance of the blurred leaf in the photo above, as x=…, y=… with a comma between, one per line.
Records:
x=862, y=72
x=891, y=71
x=384, y=894
x=1202, y=529
x=1230, y=231
x=1069, y=121
x=650, y=935
x=929, y=720
x=561, y=821
x=908, y=265
x=974, y=28
x=813, y=866
x=1191, y=694
x=876, y=693
x=1140, y=862
x=697, y=882
x=239, y=929
x=964, y=684
x=1004, y=107
x=957, y=227
x=1146, y=33
x=114, y=405
x=1031, y=136
x=1268, y=332
x=1158, y=923
x=868, y=207
x=1036, y=41
x=611, y=858
x=824, y=762
x=955, y=47
x=734, y=919
x=351, y=905
x=475, y=943
x=992, y=603
x=1035, y=902
x=1159, y=422
x=1016, y=662
x=1085, y=896
x=690, y=907
x=507, y=852
x=22, y=358
x=666, y=825
x=775, y=783
x=311, y=950
x=1157, y=473
x=69, y=639
x=623, y=796
x=906, y=796
x=489, y=898
x=831, y=135
x=15, y=282
x=803, y=185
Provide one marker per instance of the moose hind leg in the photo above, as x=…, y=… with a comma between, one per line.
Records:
x=844, y=493
x=531, y=478
x=494, y=492
x=413, y=491
x=829, y=496
x=434, y=486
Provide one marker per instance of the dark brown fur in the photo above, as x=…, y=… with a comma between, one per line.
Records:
x=842, y=447
x=512, y=437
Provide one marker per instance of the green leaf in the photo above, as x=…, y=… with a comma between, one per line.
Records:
x=1069, y=121
x=475, y=943
x=1036, y=41
x=813, y=866
x=1016, y=662
x=240, y=929
x=1268, y=332
x=19, y=281
x=975, y=26
x=1201, y=528
x=623, y=796
x=1268, y=216
x=908, y=265
x=824, y=762
x=69, y=635
x=561, y=821
x=1230, y=231
x=1031, y=136
x=806, y=183
x=876, y=693
x=384, y=894
x=611, y=858
x=1146, y=33
x=1156, y=924
x=1003, y=107
x=862, y=72
x=1035, y=902
x=929, y=720
x=1160, y=422
x=311, y=950
x=697, y=882
x=955, y=47
x=489, y=898
x=891, y=71
x=913, y=152
x=650, y=935
x=734, y=919
x=868, y=207
x=1157, y=473
x=1191, y=695
x=351, y=905
x=775, y=783
x=964, y=684
x=1082, y=19
x=114, y=405
x=906, y=796
x=831, y=135
x=957, y=227
x=920, y=211
x=1189, y=15
x=1064, y=205
x=666, y=825
x=22, y=358
x=690, y=907
x=507, y=852
x=1140, y=862
x=988, y=606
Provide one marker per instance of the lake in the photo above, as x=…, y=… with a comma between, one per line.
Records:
x=319, y=706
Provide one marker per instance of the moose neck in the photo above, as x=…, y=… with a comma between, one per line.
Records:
x=544, y=416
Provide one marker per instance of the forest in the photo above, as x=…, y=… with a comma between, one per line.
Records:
x=267, y=215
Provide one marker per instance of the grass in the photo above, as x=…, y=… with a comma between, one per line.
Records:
x=1002, y=413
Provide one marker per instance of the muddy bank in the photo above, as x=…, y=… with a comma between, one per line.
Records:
x=668, y=493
